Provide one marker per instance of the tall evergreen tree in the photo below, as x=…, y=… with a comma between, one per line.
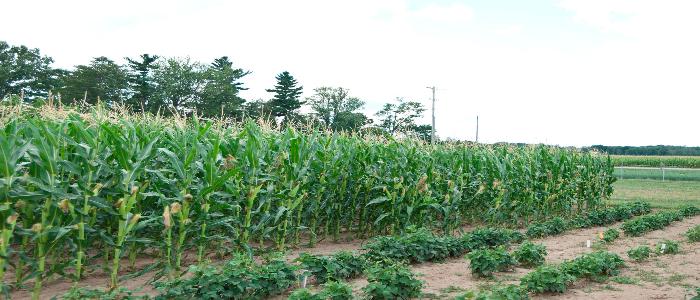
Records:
x=141, y=81
x=220, y=95
x=102, y=78
x=286, y=100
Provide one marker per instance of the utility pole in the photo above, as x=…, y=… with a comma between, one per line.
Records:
x=432, y=129
x=477, y=128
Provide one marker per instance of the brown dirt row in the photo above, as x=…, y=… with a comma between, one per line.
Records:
x=664, y=277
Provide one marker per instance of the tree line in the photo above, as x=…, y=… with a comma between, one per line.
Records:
x=173, y=85
x=660, y=150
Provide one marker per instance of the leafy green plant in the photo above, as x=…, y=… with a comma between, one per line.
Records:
x=336, y=290
x=240, y=278
x=508, y=292
x=341, y=265
x=667, y=247
x=610, y=235
x=693, y=234
x=120, y=293
x=303, y=294
x=530, y=254
x=689, y=211
x=597, y=265
x=639, y=253
x=394, y=281
x=484, y=262
x=546, y=278
x=554, y=226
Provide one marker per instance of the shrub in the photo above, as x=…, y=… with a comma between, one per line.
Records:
x=610, y=235
x=644, y=224
x=116, y=294
x=639, y=253
x=490, y=237
x=303, y=294
x=341, y=265
x=393, y=281
x=546, y=278
x=530, y=254
x=484, y=262
x=418, y=246
x=240, y=278
x=595, y=266
x=336, y=290
x=551, y=227
x=667, y=247
x=689, y=211
x=508, y=292
x=693, y=234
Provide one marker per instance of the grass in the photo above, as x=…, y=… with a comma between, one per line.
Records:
x=660, y=194
x=656, y=173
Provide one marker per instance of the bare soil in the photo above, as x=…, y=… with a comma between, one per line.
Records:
x=661, y=277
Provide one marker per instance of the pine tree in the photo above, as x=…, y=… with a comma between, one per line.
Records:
x=287, y=97
x=141, y=82
x=220, y=95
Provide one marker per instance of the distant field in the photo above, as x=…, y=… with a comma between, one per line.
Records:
x=657, y=173
x=656, y=161
x=661, y=194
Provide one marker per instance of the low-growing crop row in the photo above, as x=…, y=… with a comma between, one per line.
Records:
x=656, y=161
x=644, y=224
x=422, y=245
x=693, y=234
x=594, y=266
x=598, y=217
x=240, y=278
x=484, y=262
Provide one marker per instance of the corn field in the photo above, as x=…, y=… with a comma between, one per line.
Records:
x=84, y=192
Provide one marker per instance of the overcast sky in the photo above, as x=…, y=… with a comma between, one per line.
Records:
x=567, y=72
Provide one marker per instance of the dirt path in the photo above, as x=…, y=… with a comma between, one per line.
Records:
x=665, y=277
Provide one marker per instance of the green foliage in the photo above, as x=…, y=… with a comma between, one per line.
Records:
x=639, y=253
x=336, y=109
x=491, y=237
x=400, y=116
x=508, y=292
x=220, y=95
x=142, y=82
x=644, y=224
x=667, y=247
x=655, y=161
x=421, y=245
x=102, y=79
x=484, y=262
x=333, y=290
x=240, y=278
x=393, y=281
x=598, y=217
x=689, y=211
x=554, y=226
x=546, y=278
x=99, y=294
x=287, y=92
x=610, y=235
x=693, y=234
x=341, y=265
x=596, y=266
x=303, y=294
x=336, y=290
x=530, y=254
x=25, y=70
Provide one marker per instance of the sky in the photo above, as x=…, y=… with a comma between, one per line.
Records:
x=565, y=72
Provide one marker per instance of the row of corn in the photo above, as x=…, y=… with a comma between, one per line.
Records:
x=85, y=190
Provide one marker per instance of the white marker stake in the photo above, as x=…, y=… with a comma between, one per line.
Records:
x=588, y=243
x=663, y=247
